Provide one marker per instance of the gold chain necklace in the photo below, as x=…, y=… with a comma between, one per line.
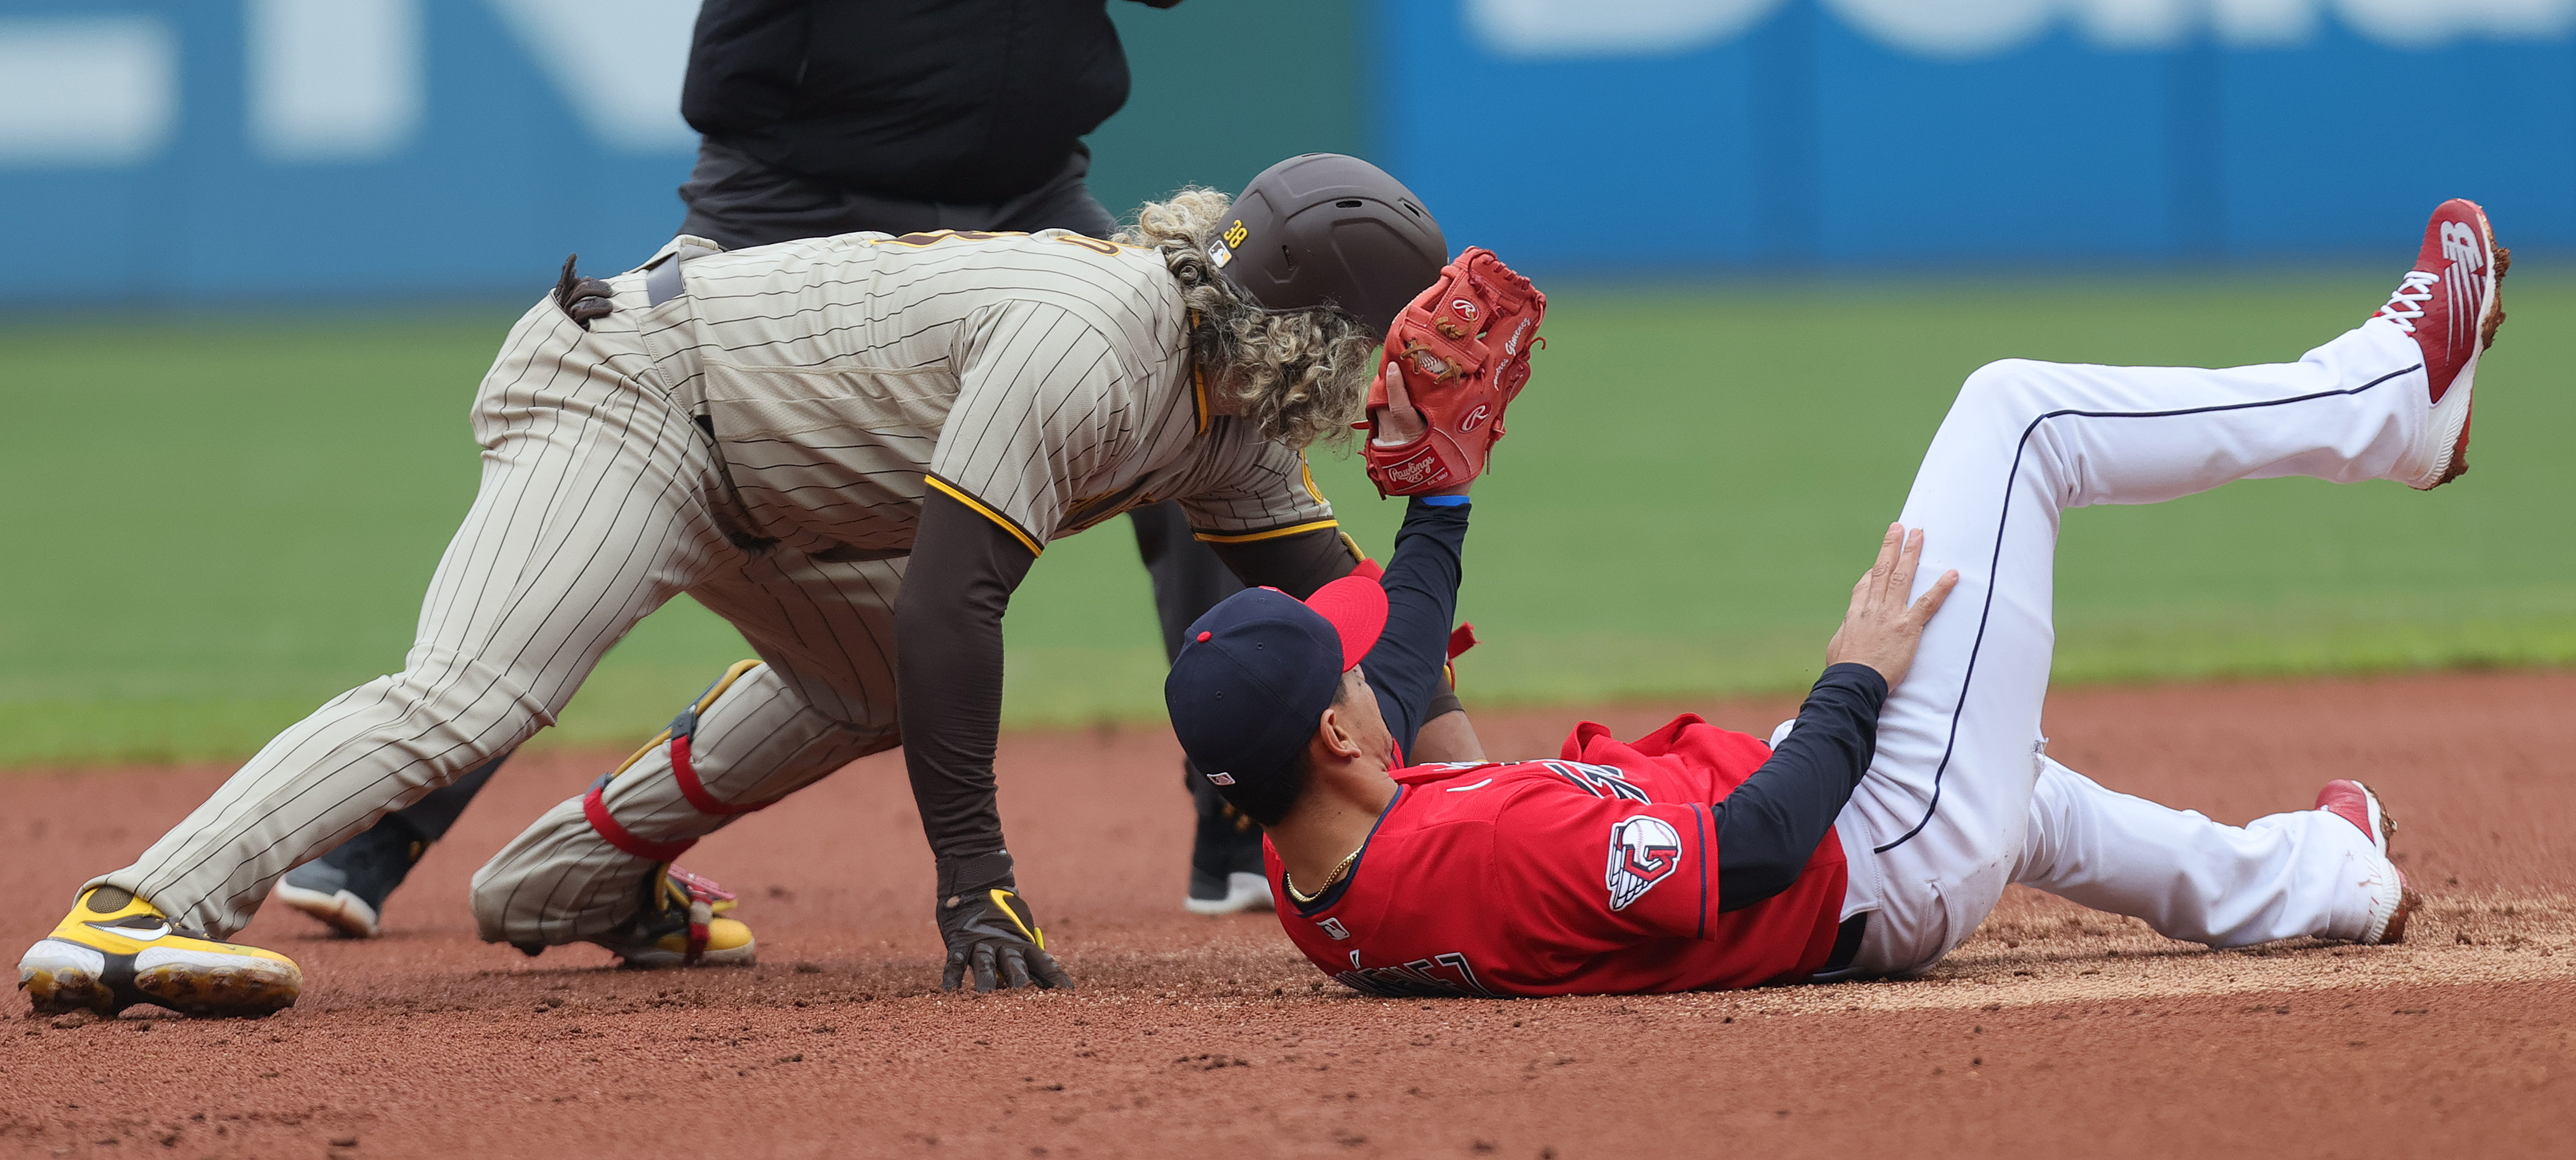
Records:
x=1297, y=895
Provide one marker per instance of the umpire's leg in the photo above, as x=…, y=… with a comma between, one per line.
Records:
x=347, y=888
x=1225, y=853
x=1188, y=577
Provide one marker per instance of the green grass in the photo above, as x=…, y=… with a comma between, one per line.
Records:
x=216, y=524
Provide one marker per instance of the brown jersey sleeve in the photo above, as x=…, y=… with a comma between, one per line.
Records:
x=948, y=669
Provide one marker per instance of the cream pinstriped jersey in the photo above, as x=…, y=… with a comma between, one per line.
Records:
x=1041, y=378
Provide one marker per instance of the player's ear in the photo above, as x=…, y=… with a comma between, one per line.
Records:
x=1334, y=738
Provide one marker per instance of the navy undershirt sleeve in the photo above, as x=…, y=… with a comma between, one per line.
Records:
x=1408, y=667
x=1771, y=824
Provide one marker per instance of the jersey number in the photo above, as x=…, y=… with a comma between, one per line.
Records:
x=1437, y=976
x=934, y=237
x=1597, y=780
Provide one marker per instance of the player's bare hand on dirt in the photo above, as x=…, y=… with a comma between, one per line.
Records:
x=584, y=300
x=1881, y=630
x=990, y=930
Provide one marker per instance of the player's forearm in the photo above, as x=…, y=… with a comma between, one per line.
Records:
x=1296, y=565
x=1770, y=826
x=948, y=638
x=1422, y=601
x=1407, y=668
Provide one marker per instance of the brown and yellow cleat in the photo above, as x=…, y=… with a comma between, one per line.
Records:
x=680, y=925
x=116, y=950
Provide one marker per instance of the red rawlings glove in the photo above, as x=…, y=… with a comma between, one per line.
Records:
x=1462, y=351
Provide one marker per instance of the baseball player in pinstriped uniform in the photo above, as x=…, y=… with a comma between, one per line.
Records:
x=811, y=129
x=790, y=433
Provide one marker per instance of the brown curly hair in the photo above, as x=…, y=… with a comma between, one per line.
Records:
x=1300, y=376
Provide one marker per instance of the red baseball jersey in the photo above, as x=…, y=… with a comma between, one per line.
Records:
x=1594, y=874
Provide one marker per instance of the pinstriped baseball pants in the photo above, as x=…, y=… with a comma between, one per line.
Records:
x=597, y=505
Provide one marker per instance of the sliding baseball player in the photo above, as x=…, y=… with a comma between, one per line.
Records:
x=1875, y=831
x=852, y=448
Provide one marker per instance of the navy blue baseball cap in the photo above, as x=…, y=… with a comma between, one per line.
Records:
x=1257, y=672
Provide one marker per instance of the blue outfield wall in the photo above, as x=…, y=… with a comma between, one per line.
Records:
x=311, y=150
x=1830, y=133
x=206, y=150
x=482, y=187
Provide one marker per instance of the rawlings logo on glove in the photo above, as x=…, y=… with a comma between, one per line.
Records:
x=1459, y=353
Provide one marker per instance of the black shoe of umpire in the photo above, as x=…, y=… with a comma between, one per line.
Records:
x=1225, y=860
x=347, y=887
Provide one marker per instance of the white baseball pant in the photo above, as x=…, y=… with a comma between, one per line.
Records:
x=1960, y=800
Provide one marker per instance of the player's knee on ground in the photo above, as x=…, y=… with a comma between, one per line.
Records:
x=556, y=883
x=752, y=740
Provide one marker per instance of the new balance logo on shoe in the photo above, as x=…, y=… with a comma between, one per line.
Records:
x=2460, y=245
x=2447, y=304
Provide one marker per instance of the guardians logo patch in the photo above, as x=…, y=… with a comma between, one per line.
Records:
x=1644, y=850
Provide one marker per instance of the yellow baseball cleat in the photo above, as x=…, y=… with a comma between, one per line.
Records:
x=680, y=925
x=116, y=950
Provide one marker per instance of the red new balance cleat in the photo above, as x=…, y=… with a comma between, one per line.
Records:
x=2391, y=903
x=2448, y=303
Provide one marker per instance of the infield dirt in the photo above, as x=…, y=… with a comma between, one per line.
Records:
x=2056, y=1032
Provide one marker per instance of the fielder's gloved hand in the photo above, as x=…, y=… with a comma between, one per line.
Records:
x=583, y=299
x=989, y=927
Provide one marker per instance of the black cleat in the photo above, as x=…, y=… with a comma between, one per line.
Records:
x=347, y=887
x=1226, y=875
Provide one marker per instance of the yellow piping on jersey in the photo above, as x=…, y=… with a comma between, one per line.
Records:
x=705, y=702
x=1198, y=387
x=988, y=513
x=1307, y=471
x=1272, y=534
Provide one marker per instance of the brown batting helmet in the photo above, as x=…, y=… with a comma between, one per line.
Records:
x=1325, y=228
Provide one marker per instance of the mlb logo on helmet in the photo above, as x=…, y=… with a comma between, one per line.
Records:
x=1220, y=779
x=1221, y=248
x=1644, y=850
